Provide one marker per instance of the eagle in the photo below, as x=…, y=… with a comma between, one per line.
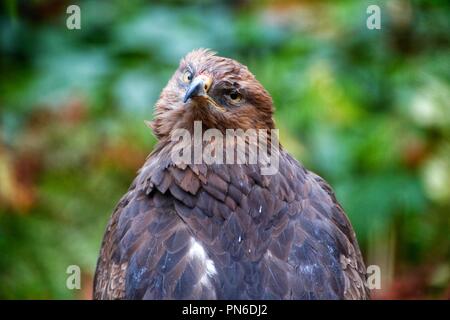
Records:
x=225, y=230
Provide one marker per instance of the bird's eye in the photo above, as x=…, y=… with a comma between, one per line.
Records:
x=235, y=96
x=187, y=76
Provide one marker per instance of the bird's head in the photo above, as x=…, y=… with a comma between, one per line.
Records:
x=220, y=92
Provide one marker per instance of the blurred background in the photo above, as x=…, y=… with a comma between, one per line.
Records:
x=366, y=109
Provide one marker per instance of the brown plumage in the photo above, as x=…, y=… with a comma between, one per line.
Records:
x=225, y=231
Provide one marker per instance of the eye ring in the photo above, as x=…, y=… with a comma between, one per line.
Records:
x=235, y=96
x=187, y=76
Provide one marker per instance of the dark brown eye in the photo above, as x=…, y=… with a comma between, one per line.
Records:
x=187, y=76
x=235, y=96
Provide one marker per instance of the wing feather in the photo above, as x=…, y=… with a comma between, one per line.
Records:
x=227, y=232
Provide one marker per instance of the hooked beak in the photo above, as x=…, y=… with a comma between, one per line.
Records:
x=199, y=87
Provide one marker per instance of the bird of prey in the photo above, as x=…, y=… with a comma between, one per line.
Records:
x=219, y=230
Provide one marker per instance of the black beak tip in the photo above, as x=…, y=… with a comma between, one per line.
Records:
x=193, y=90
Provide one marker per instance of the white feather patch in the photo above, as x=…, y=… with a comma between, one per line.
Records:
x=197, y=251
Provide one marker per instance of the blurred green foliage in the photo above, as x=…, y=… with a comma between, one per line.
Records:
x=366, y=109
